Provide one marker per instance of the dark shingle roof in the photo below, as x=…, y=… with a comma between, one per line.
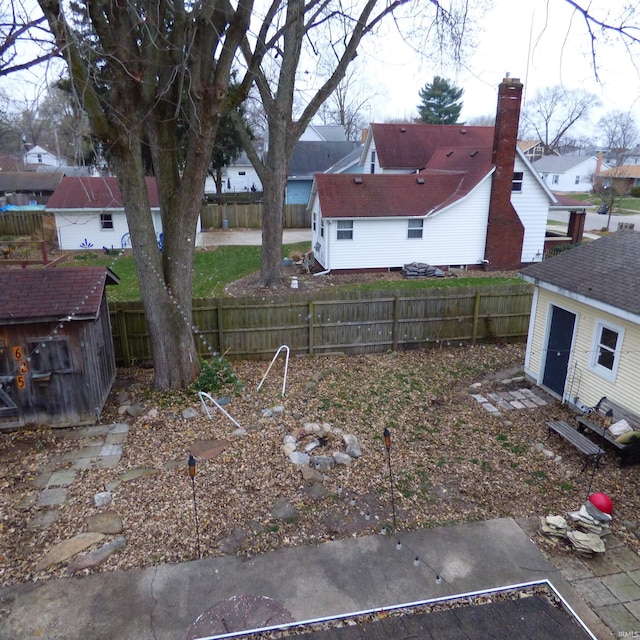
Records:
x=312, y=157
x=411, y=146
x=11, y=181
x=94, y=193
x=30, y=295
x=605, y=270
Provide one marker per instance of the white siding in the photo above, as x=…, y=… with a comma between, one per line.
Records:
x=455, y=236
x=583, y=384
x=82, y=230
x=532, y=206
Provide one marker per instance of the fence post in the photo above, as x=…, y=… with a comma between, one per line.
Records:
x=124, y=338
x=310, y=312
x=476, y=315
x=220, y=328
x=396, y=321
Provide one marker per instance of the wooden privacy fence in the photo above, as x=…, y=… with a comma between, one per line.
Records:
x=372, y=322
x=22, y=223
x=249, y=216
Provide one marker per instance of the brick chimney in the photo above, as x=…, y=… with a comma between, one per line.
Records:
x=505, y=231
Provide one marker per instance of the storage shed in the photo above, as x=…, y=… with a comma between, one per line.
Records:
x=57, y=361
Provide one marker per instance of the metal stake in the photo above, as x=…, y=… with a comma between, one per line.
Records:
x=387, y=444
x=192, y=475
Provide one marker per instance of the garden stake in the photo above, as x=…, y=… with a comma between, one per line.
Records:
x=387, y=444
x=192, y=475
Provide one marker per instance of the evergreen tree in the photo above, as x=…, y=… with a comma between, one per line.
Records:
x=440, y=102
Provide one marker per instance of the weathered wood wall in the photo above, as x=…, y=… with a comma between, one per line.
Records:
x=356, y=322
x=249, y=216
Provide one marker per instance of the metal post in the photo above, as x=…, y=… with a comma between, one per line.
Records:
x=387, y=444
x=192, y=475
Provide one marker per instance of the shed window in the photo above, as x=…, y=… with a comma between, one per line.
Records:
x=106, y=221
x=345, y=230
x=556, y=178
x=415, y=229
x=606, y=350
x=49, y=355
x=516, y=183
x=577, y=180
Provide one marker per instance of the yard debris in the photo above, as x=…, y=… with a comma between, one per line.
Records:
x=422, y=270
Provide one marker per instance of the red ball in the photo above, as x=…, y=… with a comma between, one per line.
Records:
x=601, y=501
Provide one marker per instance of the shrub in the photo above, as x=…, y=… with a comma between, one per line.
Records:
x=635, y=192
x=214, y=375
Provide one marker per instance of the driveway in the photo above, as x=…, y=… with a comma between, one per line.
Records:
x=246, y=237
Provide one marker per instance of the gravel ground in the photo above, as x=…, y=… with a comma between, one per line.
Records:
x=451, y=461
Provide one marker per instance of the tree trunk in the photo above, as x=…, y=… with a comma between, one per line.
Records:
x=274, y=188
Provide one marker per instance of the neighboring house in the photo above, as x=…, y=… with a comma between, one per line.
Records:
x=622, y=178
x=349, y=164
x=309, y=158
x=533, y=149
x=584, y=333
x=324, y=133
x=238, y=177
x=568, y=173
x=631, y=156
x=90, y=215
x=57, y=360
x=446, y=195
x=39, y=156
x=28, y=187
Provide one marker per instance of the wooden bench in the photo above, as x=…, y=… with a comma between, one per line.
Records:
x=591, y=450
x=614, y=412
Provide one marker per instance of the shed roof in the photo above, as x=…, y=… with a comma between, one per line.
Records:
x=411, y=146
x=604, y=270
x=310, y=157
x=36, y=295
x=29, y=180
x=95, y=193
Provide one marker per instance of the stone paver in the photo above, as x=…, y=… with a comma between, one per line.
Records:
x=573, y=568
x=119, y=427
x=110, y=450
x=116, y=438
x=594, y=592
x=624, y=558
x=622, y=587
x=61, y=478
x=43, y=519
x=52, y=497
x=490, y=408
x=88, y=452
x=108, y=462
x=620, y=619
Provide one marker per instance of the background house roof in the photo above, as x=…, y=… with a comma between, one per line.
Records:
x=31, y=295
x=411, y=146
x=12, y=181
x=604, y=270
x=94, y=193
x=623, y=171
x=560, y=164
x=345, y=195
x=312, y=157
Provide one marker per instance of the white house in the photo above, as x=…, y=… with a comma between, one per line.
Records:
x=567, y=174
x=238, y=177
x=584, y=333
x=89, y=213
x=39, y=156
x=447, y=195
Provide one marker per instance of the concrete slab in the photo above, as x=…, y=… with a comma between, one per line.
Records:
x=61, y=478
x=622, y=587
x=334, y=578
x=52, y=497
x=108, y=462
x=619, y=618
x=110, y=450
x=594, y=592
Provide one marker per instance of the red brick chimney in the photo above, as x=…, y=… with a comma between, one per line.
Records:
x=505, y=231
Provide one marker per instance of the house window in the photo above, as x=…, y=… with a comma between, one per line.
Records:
x=577, y=180
x=345, y=230
x=321, y=227
x=415, y=229
x=314, y=220
x=242, y=173
x=518, y=178
x=48, y=355
x=556, y=179
x=40, y=158
x=607, y=345
x=373, y=162
x=106, y=221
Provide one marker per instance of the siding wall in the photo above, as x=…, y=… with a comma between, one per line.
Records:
x=582, y=382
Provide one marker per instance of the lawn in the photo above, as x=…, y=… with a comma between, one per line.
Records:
x=214, y=270
x=623, y=205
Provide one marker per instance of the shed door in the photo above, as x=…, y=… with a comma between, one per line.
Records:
x=559, y=342
x=9, y=410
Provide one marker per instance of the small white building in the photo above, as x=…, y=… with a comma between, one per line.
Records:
x=567, y=174
x=39, y=157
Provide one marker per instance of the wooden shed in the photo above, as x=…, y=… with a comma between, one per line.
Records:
x=57, y=362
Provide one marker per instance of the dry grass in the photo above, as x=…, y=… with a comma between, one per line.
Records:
x=452, y=462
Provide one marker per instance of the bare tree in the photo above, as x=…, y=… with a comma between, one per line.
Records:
x=554, y=112
x=619, y=134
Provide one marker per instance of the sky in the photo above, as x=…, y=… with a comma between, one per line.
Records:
x=542, y=42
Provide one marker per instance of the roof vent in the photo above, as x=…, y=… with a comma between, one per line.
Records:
x=403, y=129
x=473, y=154
x=358, y=180
x=463, y=131
x=420, y=180
x=449, y=154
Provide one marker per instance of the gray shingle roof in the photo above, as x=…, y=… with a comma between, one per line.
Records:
x=559, y=164
x=605, y=270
